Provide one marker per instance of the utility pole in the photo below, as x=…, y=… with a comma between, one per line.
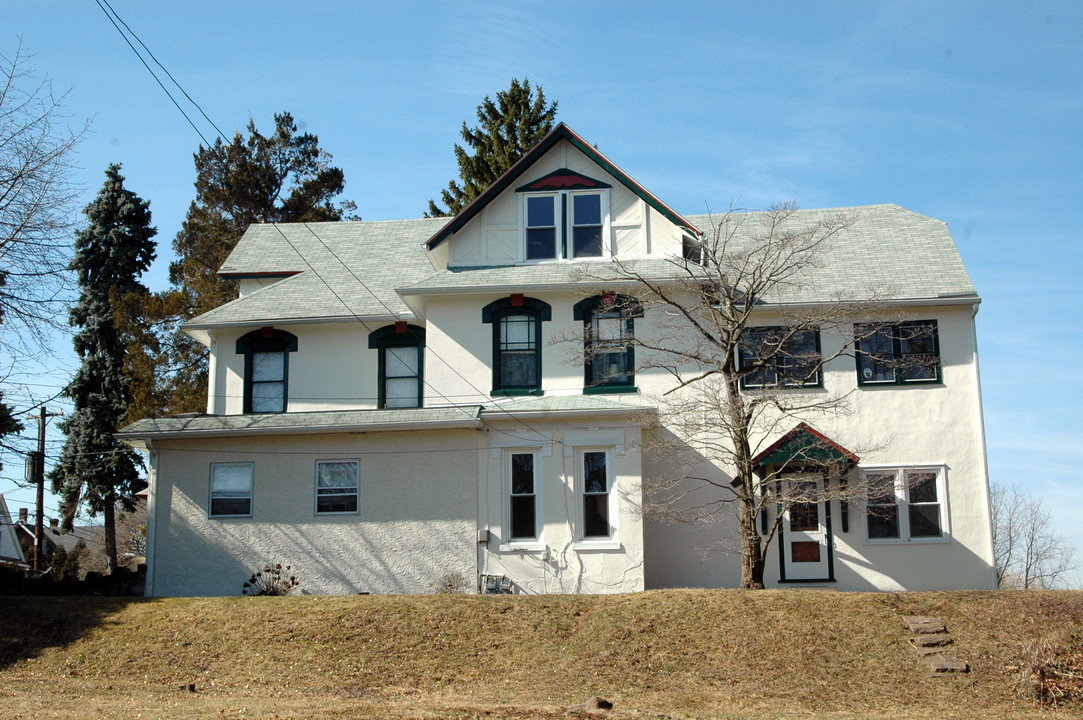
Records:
x=39, y=477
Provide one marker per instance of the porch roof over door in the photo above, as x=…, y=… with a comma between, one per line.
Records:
x=804, y=445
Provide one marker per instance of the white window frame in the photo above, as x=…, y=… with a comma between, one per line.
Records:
x=357, y=487
x=251, y=490
x=536, y=543
x=902, y=503
x=596, y=542
x=564, y=235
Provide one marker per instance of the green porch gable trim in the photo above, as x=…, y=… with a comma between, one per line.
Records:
x=560, y=132
x=804, y=443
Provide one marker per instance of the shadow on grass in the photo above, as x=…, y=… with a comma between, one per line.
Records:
x=31, y=625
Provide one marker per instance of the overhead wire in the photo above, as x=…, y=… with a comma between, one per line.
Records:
x=152, y=74
x=164, y=69
x=428, y=349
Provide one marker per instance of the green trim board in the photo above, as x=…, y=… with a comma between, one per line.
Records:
x=801, y=445
x=398, y=335
x=829, y=541
x=905, y=338
x=507, y=316
x=265, y=341
x=627, y=309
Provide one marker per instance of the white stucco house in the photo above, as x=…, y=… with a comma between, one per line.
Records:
x=391, y=403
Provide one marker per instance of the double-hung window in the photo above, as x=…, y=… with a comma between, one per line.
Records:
x=231, y=489
x=517, y=343
x=608, y=332
x=336, y=486
x=597, y=487
x=402, y=349
x=904, y=504
x=266, y=369
x=897, y=354
x=565, y=216
x=523, y=524
x=780, y=357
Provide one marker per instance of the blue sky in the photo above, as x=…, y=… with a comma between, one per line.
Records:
x=966, y=111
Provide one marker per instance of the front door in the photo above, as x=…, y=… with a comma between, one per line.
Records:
x=805, y=539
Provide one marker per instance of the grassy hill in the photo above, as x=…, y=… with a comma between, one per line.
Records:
x=662, y=654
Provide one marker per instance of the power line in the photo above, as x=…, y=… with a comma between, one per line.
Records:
x=152, y=74
x=118, y=17
x=394, y=314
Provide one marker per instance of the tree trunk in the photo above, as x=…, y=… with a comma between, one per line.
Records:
x=752, y=564
x=111, y=534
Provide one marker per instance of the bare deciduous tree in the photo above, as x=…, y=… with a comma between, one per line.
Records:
x=729, y=325
x=1027, y=550
x=36, y=202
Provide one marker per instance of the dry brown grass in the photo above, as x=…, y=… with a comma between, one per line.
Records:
x=663, y=654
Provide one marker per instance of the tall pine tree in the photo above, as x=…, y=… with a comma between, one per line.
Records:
x=280, y=177
x=506, y=129
x=110, y=255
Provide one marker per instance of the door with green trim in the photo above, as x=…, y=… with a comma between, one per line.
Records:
x=804, y=529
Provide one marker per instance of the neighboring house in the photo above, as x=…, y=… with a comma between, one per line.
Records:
x=11, y=551
x=54, y=536
x=390, y=404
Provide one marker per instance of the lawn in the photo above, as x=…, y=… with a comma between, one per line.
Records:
x=659, y=654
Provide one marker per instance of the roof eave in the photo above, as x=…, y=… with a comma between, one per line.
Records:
x=138, y=439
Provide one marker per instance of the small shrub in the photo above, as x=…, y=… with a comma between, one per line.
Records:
x=1051, y=670
x=271, y=580
x=451, y=583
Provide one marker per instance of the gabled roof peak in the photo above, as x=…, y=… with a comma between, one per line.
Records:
x=558, y=133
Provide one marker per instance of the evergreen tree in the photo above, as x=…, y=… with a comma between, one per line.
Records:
x=280, y=177
x=110, y=255
x=506, y=129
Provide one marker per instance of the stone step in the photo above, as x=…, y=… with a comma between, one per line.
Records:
x=931, y=640
x=941, y=664
x=924, y=625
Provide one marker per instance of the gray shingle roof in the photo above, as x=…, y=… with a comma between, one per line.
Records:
x=559, y=404
x=345, y=270
x=309, y=422
x=886, y=250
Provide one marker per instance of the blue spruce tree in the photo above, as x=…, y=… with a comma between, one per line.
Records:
x=110, y=255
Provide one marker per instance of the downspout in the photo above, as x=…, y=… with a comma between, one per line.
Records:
x=152, y=510
x=981, y=437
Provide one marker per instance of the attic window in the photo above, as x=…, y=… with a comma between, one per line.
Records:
x=692, y=249
x=565, y=216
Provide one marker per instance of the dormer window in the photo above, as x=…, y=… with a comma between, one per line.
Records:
x=565, y=216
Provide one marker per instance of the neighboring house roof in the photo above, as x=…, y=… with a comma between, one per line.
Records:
x=560, y=132
x=55, y=537
x=332, y=271
x=886, y=251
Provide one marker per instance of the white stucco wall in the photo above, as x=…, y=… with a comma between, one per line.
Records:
x=416, y=521
x=935, y=425
x=332, y=368
x=561, y=560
